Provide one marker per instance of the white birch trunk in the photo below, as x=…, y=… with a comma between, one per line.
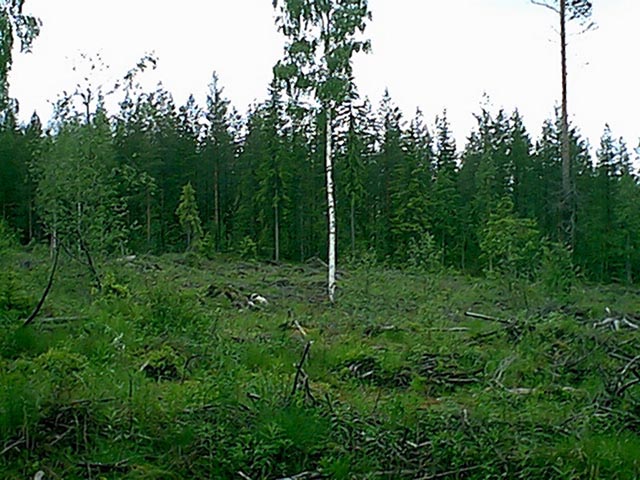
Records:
x=331, y=211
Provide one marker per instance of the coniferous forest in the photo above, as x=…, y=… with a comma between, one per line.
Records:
x=484, y=325
x=258, y=184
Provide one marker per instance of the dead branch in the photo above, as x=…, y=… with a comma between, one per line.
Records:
x=502, y=368
x=487, y=317
x=522, y=391
x=546, y=5
x=450, y=329
x=299, y=371
x=90, y=264
x=622, y=387
x=451, y=473
x=11, y=446
x=106, y=467
x=304, y=476
x=616, y=323
x=299, y=327
x=36, y=310
x=629, y=365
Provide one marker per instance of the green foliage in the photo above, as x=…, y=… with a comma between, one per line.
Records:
x=8, y=239
x=60, y=364
x=188, y=215
x=112, y=288
x=14, y=25
x=557, y=272
x=180, y=382
x=510, y=245
x=207, y=246
x=14, y=298
x=162, y=364
x=247, y=249
x=423, y=254
x=77, y=193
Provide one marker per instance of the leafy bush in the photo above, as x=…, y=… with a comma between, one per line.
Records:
x=111, y=288
x=162, y=364
x=8, y=239
x=171, y=310
x=423, y=254
x=14, y=300
x=557, y=272
x=510, y=245
x=247, y=249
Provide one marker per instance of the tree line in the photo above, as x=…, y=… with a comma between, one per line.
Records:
x=405, y=193
x=313, y=158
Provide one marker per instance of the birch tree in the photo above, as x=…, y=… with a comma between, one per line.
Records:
x=322, y=36
x=14, y=24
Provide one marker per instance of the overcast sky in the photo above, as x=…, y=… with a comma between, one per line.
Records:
x=431, y=54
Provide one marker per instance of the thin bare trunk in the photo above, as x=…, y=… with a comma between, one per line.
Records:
x=331, y=210
x=628, y=266
x=30, y=215
x=162, y=220
x=463, y=252
x=353, y=226
x=276, y=211
x=567, y=189
x=54, y=235
x=148, y=218
x=301, y=234
x=89, y=258
x=216, y=204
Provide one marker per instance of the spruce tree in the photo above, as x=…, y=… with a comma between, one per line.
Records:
x=412, y=217
x=215, y=170
x=188, y=215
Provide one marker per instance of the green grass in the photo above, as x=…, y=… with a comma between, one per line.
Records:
x=165, y=374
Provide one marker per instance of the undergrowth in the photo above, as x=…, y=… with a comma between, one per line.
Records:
x=170, y=372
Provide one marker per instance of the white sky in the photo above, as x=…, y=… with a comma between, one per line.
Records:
x=431, y=54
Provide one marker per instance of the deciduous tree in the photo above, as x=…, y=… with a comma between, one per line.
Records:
x=322, y=36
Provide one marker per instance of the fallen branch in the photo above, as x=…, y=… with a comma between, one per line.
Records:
x=299, y=327
x=450, y=329
x=106, y=467
x=630, y=366
x=522, y=391
x=623, y=388
x=615, y=323
x=502, y=368
x=451, y=473
x=304, y=476
x=487, y=317
x=10, y=447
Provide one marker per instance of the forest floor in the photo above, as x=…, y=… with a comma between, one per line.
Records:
x=169, y=372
